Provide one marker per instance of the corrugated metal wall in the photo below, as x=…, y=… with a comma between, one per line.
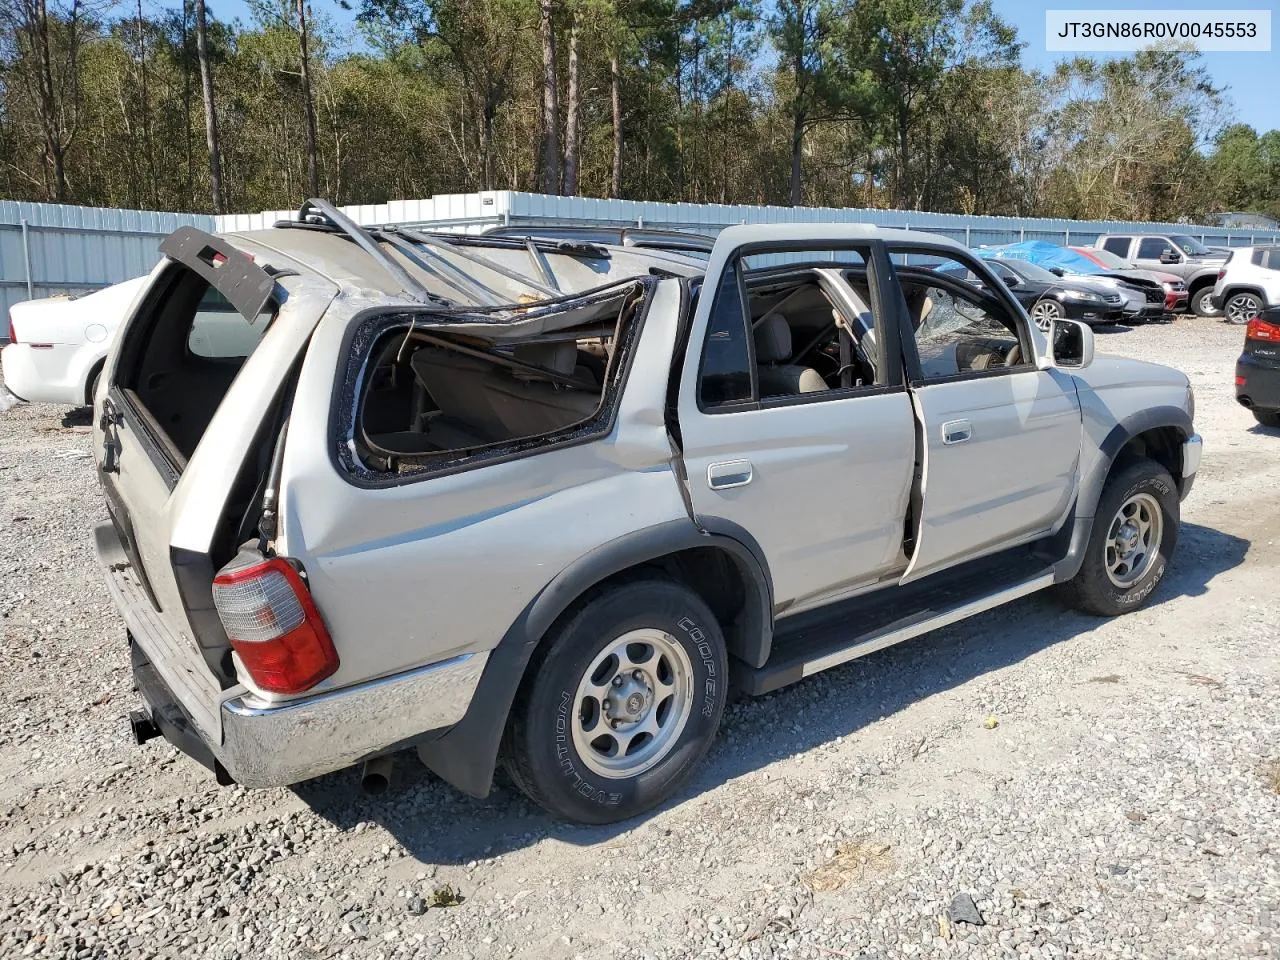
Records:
x=473, y=212
x=47, y=248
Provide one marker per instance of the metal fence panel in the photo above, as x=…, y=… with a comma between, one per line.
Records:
x=48, y=248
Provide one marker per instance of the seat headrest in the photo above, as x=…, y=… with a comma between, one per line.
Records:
x=560, y=357
x=773, y=339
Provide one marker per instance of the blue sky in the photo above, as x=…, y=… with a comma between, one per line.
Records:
x=1249, y=77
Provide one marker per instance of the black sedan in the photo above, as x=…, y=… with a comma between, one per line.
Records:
x=1258, y=369
x=1047, y=296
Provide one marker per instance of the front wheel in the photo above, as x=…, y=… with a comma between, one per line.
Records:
x=623, y=704
x=1135, y=531
x=1202, y=303
x=1044, y=312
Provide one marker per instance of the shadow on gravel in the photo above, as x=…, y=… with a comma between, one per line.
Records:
x=79, y=417
x=439, y=825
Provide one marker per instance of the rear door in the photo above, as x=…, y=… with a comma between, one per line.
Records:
x=172, y=433
x=818, y=472
x=1000, y=438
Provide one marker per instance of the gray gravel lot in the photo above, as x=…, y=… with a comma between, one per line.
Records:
x=1077, y=787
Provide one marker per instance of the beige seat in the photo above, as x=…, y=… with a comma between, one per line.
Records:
x=497, y=403
x=778, y=378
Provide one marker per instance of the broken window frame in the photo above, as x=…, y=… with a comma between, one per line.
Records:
x=369, y=330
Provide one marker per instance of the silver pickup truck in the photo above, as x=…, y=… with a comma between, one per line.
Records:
x=542, y=500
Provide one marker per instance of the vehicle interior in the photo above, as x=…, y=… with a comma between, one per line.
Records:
x=804, y=342
x=959, y=328
x=432, y=395
x=180, y=361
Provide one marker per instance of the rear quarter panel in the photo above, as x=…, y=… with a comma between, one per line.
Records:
x=433, y=568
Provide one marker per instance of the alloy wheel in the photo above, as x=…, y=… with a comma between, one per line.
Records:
x=1242, y=308
x=633, y=702
x=1044, y=312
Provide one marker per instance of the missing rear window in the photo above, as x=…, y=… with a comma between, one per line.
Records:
x=435, y=394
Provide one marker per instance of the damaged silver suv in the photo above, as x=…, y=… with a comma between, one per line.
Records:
x=542, y=501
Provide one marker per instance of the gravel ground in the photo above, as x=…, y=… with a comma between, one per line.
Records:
x=1030, y=783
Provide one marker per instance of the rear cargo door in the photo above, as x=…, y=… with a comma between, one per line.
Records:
x=194, y=383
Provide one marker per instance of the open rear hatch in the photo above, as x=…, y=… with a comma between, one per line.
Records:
x=199, y=383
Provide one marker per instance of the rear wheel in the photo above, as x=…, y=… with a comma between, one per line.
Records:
x=1242, y=307
x=1268, y=418
x=623, y=705
x=1202, y=302
x=1135, y=531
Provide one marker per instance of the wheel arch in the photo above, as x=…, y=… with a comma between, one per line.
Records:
x=724, y=565
x=1156, y=433
x=95, y=368
x=1232, y=289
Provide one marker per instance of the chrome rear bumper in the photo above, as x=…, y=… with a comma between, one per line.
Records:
x=261, y=744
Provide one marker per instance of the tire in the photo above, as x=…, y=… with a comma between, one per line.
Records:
x=1146, y=487
x=1201, y=303
x=1268, y=418
x=558, y=740
x=1044, y=312
x=1240, y=308
x=93, y=387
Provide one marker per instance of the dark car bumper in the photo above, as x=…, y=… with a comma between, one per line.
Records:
x=1258, y=382
x=1091, y=313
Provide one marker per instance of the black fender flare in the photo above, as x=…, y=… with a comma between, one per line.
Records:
x=465, y=755
x=1230, y=291
x=1136, y=424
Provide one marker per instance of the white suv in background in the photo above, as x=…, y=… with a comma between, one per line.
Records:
x=1248, y=283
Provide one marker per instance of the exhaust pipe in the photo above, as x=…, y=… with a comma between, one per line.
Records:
x=375, y=778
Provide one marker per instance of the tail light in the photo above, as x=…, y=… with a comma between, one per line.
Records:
x=1261, y=330
x=1221, y=274
x=273, y=625
x=13, y=334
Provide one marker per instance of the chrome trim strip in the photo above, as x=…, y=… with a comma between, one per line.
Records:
x=1192, y=450
x=268, y=746
x=889, y=637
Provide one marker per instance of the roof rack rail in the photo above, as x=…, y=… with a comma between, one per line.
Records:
x=410, y=287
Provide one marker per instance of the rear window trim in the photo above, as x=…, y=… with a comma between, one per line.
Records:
x=345, y=402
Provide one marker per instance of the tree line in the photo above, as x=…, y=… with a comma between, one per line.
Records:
x=910, y=104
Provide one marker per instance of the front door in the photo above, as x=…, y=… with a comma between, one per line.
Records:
x=794, y=425
x=1001, y=438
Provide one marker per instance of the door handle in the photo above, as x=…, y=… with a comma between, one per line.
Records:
x=956, y=431
x=728, y=474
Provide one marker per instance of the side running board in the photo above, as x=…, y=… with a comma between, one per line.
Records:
x=834, y=639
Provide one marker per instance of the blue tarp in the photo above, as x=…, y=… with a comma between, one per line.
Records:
x=1043, y=254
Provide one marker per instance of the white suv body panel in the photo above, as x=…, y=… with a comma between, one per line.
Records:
x=1244, y=274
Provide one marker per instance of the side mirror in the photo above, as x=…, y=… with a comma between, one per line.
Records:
x=1072, y=344
x=1057, y=271
x=1011, y=281
x=1168, y=256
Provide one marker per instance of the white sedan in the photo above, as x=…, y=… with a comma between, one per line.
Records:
x=57, y=346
